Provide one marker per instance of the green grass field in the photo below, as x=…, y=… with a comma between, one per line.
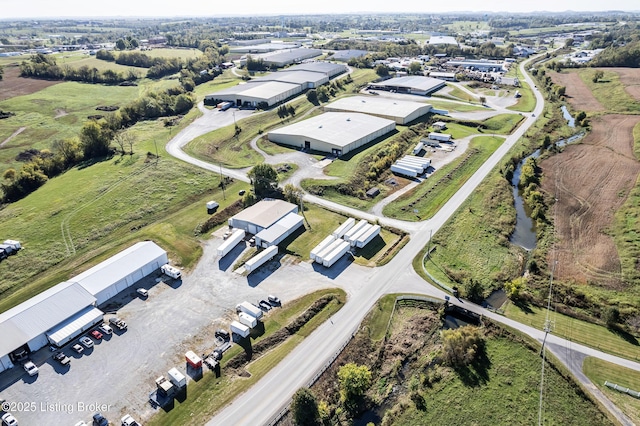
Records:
x=455, y=106
x=209, y=394
x=599, y=371
x=428, y=198
x=589, y=334
x=610, y=91
x=527, y=100
x=462, y=95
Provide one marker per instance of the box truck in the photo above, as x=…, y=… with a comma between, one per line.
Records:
x=231, y=242
x=239, y=329
x=177, y=378
x=250, y=309
x=246, y=319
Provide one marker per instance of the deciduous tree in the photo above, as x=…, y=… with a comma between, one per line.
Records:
x=304, y=407
x=354, y=381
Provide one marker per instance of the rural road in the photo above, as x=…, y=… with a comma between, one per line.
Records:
x=272, y=394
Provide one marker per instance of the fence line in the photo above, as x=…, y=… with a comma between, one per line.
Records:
x=628, y=391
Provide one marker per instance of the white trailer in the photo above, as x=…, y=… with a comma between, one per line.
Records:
x=261, y=258
x=171, y=271
x=335, y=255
x=231, y=242
x=399, y=170
x=177, y=378
x=359, y=234
x=418, y=148
x=424, y=162
x=368, y=236
x=410, y=165
x=239, y=329
x=352, y=231
x=328, y=249
x=250, y=309
x=348, y=224
x=246, y=319
x=324, y=244
x=440, y=136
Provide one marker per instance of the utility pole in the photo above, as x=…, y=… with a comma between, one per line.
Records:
x=222, y=182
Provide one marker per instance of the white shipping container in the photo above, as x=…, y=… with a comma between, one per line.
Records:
x=335, y=255
x=410, y=165
x=177, y=378
x=240, y=329
x=325, y=243
x=231, y=242
x=263, y=257
x=348, y=224
x=247, y=319
x=422, y=162
x=403, y=171
x=419, y=147
x=368, y=236
x=328, y=249
x=250, y=309
x=349, y=234
x=358, y=234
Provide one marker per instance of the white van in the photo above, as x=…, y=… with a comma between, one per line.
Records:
x=171, y=271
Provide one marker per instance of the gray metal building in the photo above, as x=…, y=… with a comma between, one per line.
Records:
x=279, y=231
x=402, y=112
x=414, y=85
x=262, y=215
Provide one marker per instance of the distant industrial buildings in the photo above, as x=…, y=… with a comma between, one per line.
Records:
x=334, y=132
x=414, y=85
x=437, y=40
x=482, y=65
x=402, y=112
x=347, y=55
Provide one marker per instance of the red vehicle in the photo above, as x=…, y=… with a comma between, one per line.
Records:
x=96, y=334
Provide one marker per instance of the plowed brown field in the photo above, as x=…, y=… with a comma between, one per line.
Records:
x=13, y=85
x=591, y=181
x=577, y=93
x=630, y=78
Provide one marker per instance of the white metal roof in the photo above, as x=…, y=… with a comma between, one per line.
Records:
x=336, y=128
x=297, y=77
x=412, y=82
x=442, y=40
x=290, y=55
x=117, y=267
x=281, y=227
x=266, y=212
x=68, y=327
x=324, y=67
x=262, y=90
x=378, y=106
x=39, y=314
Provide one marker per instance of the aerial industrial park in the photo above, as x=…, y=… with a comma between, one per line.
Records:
x=297, y=220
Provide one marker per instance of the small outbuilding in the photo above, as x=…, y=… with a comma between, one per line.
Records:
x=439, y=125
x=262, y=215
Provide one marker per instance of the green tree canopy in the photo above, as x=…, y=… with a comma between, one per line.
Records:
x=354, y=381
x=264, y=178
x=462, y=345
x=304, y=407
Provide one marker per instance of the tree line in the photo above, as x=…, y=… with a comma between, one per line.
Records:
x=45, y=67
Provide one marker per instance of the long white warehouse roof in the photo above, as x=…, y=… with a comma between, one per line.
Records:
x=336, y=128
x=266, y=212
x=412, y=82
x=263, y=90
x=281, y=227
x=376, y=105
x=117, y=267
x=39, y=314
x=294, y=77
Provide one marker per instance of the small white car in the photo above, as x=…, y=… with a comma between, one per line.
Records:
x=127, y=420
x=30, y=368
x=143, y=292
x=9, y=420
x=86, y=342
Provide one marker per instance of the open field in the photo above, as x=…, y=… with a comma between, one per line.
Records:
x=211, y=393
x=599, y=371
x=12, y=85
x=577, y=93
x=586, y=333
x=526, y=101
x=591, y=181
x=630, y=79
x=610, y=91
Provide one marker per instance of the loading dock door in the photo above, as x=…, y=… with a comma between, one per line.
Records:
x=307, y=145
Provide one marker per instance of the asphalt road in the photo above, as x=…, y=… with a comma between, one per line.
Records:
x=272, y=394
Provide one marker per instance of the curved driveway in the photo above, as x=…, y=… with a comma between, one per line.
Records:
x=272, y=394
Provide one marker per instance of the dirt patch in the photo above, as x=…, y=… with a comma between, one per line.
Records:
x=577, y=93
x=593, y=181
x=630, y=78
x=13, y=85
x=60, y=113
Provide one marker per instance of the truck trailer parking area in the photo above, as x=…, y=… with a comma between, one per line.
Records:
x=115, y=376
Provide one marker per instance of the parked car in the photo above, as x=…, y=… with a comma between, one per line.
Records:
x=143, y=292
x=273, y=300
x=9, y=420
x=104, y=328
x=30, y=368
x=127, y=420
x=264, y=305
x=78, y=348
x=222, y=334
x=86, y=342
x=100, y=420
x=61, y=358
x=118, y=323
x=96, y=334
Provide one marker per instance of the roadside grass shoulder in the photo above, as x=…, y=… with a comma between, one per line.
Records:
x=455, y=106
x=599, y=371
x=430, y=196
x=586, y=333
x=526, y=101
x=458, y=93
x=211, y=393
x=609, y=91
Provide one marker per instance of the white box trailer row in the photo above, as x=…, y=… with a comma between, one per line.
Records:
x=347, y=236
x=410, y=165
x=336, y=254
x=342, y=229
x=323, y=244
x=250, y=309
x=327, y=250
x=239, y=329
x=424, y=162
x=231, y=242
x=440, y=136
x=367, y=236
x=404, y=171
x=358, y=234
x=261, y=258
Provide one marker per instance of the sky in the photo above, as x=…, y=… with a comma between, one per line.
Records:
x=130, y=8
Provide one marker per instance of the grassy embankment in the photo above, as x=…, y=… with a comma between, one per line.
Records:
x=221, y=146
x=526, y=101
x=599, y=371
x=609, y=91
x=211, y=393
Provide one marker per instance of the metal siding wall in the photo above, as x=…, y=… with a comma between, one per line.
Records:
x=38, y=342
x=5, y=363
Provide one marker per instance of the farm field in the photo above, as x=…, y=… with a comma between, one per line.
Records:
x=577, y=93
x=630, y=79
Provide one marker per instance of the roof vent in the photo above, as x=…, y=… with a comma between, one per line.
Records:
x=348, y=119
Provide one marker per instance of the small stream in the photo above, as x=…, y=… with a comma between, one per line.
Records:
x=571, y=122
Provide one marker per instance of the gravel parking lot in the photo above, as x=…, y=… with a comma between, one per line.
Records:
x=117, y=374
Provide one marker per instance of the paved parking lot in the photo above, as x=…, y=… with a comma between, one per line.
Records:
x=116, y=376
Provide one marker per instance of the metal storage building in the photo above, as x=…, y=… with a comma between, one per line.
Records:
x=252, y=94
x=307, y=79
x=26, y=325
x=402, y=112
x=414, y=85
x=121, y=271
x=331, y=70
x=282, y=58
x=335, y=132
x=279, y=231
x=262, y=215
x=72, y=327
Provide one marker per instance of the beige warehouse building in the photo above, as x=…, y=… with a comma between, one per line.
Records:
x=334, y=132
x=402, y=112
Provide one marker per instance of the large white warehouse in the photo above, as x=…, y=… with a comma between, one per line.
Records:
x=414, y=85
x=335, y=132
x=402, y=112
